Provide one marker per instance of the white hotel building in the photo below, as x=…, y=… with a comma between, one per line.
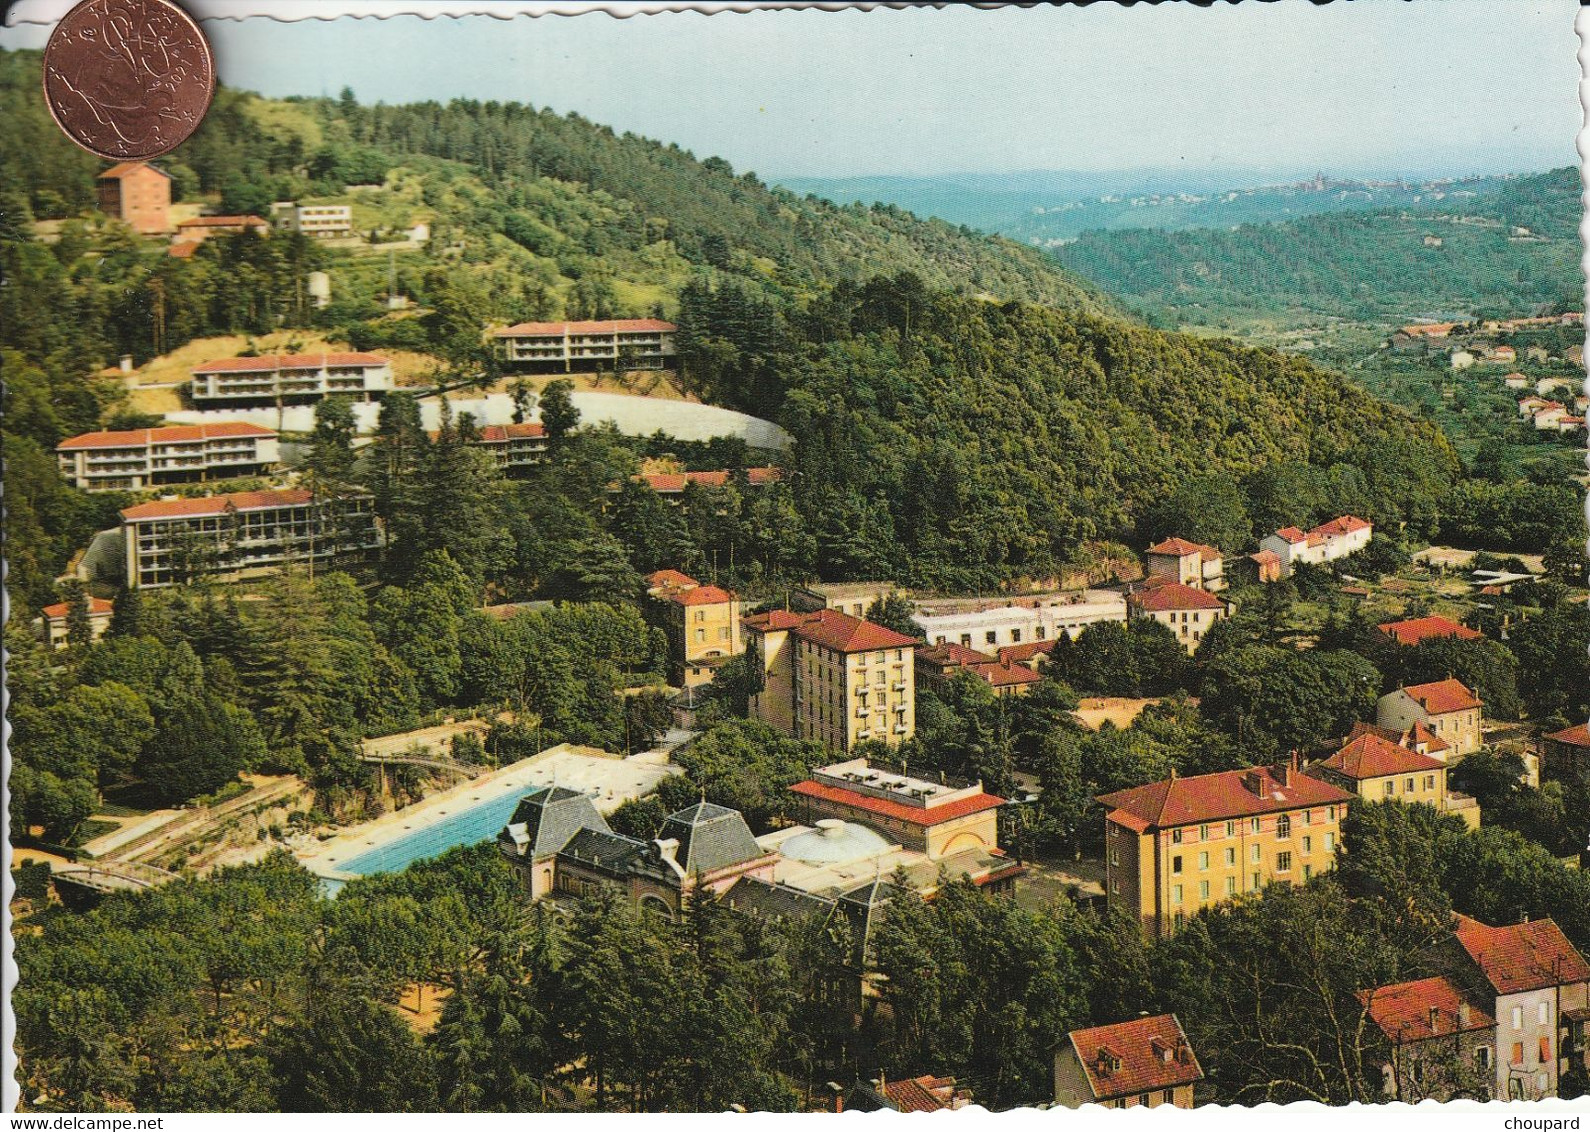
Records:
x=290, y=378
x=140, y=458
x=988, y=623
x=624, y=343
x=242, y=535
x=320, y=220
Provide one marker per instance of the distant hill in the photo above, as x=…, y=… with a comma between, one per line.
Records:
x=1510, y=251
x=1048, y=209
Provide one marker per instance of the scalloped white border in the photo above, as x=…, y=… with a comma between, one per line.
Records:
x=1305, y=1116
x=291, y=11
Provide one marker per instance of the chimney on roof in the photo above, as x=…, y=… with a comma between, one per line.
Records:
x=1253, y=783
x=1435, y=1019
x=1463, y=1015
x=125, y=363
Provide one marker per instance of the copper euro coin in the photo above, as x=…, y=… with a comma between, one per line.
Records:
x=128, y=79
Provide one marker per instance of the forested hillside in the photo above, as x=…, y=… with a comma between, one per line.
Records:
x=1384, y=264
x=945, y=438
x=960, y=444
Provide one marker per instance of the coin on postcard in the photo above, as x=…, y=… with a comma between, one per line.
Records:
x=128, y=79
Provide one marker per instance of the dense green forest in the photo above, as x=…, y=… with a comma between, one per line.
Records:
x=1360, y=265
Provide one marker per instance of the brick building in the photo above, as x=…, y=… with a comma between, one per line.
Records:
x=138, y=194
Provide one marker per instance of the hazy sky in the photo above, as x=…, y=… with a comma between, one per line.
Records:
x=1383, y=85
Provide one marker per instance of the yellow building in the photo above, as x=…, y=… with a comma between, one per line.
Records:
x=1379, y=770
x=939, y=819
x=702, y=624
x=1176, y=846
x=832, y=677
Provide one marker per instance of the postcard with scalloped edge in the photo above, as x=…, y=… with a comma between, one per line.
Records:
x=794, y=560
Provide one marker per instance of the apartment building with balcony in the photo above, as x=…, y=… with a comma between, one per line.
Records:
x=243, y=535
x=832, y=677
x=135, y=459
x=1181, y=844
x=290, y=379
x=608, y=344
x=512, y=446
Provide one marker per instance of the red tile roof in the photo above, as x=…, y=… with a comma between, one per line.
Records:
x=171, y=434
x=1442, y=696
x=1415, y=737
x=1268, y=557
x=183, y=249
x=1020, y=654
x=1003, y=674
x=1213, y=797
x=96, y=605
x=1429, y=329
x=1292, y=534
x=951, y=653
x=699, y=595
x=1403, y=1011
x=833, y=630
x=1173, y=595
x=1523, y=957
x=920, y=1094
x=1417, y=629
x=1370, y=756
x=270, y=362
x=603, y=326
x=223, y=222
x=217, y=504
x=1572, y=736
x=126, y=167
x=502, y=433
x=915, y=815
x=668, y=483
x=1341, y=525
x=1180, y=547
x=670, y=578
x=1152, y=1053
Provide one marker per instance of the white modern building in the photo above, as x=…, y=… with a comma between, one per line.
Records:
x=290, y=378
x=625, y=343
x=135, y=459
x=319, y=220
x=984, y=623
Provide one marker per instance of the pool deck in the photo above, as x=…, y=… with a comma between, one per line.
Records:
x=610, y=780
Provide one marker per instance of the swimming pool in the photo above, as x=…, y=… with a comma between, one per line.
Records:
x=466, y=826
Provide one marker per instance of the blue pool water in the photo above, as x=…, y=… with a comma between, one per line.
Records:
x=465, y=826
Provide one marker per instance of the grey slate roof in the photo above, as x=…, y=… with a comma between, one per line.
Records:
x=598, y=848
x=550, y=816
x=775, y=901
x=710, y=837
